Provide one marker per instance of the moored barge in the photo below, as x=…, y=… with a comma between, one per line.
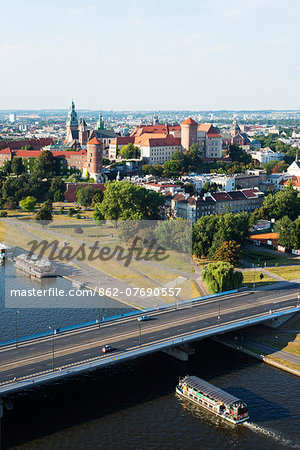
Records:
x=213, y=399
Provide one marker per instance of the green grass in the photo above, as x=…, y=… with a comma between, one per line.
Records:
x=270, y=259
x=288, y=273
x=249, y=277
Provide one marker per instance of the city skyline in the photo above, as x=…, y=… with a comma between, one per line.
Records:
x=134, y=55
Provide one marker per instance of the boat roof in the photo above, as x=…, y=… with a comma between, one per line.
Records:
x=208, y=389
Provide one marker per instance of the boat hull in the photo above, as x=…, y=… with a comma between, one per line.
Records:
x=222, y=416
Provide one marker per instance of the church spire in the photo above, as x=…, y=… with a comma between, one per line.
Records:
x=100, y=123
x=72, y=120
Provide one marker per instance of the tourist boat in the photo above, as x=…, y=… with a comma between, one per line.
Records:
x=213, y=399
x=40, y=268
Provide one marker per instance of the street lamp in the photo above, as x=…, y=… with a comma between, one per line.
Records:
x=17, y=315
x=253, y=266
x=52, y=347
x=140, y=334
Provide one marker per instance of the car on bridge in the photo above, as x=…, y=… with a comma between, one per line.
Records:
x=108, y=349
x=143, y=318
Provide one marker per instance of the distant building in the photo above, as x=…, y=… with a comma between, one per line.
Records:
x=266, y=155
x=78, y=134
x=294, y=168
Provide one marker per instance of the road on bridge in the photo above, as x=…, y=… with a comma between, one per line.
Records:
x=34, y=356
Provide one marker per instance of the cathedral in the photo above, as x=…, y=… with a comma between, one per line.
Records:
x=78, y=134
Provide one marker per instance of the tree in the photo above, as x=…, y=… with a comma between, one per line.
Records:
x=130, y=151
x=6, y=168
x=209, y=232
x=289, y=232
x=126, y=201
x=239, y=155
x=228, y=252
x=43, y=165
x=45, y=213
x=203, y=234
x=84, y=196
x=156, y=170
x=189, y=188
x=10, y=203
x=221, y=276
x=28, y=203
x=57, y=189
x=98, y=214
x=17, y=166
x=175, y=235
x=97, y=197
x=282, y=203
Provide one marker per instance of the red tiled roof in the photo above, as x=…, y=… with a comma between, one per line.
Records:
x=5, y=151
x=35, y=143
x=264, y=236
x=221, y=197
x=94, y=141
x=190, y=121
x=156, y=140
x=209, y=129
x=123, y=140
x=250, y=193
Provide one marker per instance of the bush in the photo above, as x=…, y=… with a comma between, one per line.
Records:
x=3, y=213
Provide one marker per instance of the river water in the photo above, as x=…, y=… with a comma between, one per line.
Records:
x=133, y=405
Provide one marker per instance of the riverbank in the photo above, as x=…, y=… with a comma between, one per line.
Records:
x=279, y=347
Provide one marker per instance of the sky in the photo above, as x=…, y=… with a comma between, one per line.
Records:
x=150, y=54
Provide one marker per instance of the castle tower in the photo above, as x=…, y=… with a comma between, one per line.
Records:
x=94, y=159
x=188, y=133
x=83, y=132
x=72, y=122
x=100, y=123
x=235, y=129
x=155, y=119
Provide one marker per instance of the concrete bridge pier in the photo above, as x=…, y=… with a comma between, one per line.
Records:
x=182, y=352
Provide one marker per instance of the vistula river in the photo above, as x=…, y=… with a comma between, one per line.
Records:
x=133, y=405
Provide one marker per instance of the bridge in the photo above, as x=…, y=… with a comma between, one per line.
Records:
x=31, y=361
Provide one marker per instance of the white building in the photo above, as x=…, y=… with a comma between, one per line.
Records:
x=209, y=141
x=294, y=168
x=157, y=148
x=266, y=155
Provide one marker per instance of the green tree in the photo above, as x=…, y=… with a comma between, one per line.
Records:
x=98, y=214
x=221, y=276
x=84, y=196
x=97, y=197
x=229, y=251
x=289, y=232
x=45, y=212
x=43, y=165
x=239, y=155
x=28, y=203
x=6, y=168
x=57, y=189
x=130, y=151
x=17, y=166
x=283, y=203
x=126, y=201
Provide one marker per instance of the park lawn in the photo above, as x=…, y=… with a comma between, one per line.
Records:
x=249, y=277
x=2, y=231
x=158, y=274
x=270, y=259
x=189, y=290
x=288, y=273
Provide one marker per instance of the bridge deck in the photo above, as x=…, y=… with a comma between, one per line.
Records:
x=80, y=349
